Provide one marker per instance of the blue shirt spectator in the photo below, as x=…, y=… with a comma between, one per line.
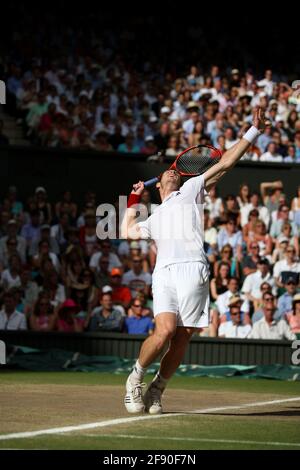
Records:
x=139, y=325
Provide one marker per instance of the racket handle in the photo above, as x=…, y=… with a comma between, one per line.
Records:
x=151, y=182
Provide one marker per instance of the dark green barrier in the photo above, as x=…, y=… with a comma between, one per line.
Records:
x=204, y=351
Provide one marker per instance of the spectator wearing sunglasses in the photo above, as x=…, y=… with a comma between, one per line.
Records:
x=234, y=328
x=270, y=326
x=283, y=216
x=285, y=301
x=137, y=323
x=249, y=264
x=288, y=267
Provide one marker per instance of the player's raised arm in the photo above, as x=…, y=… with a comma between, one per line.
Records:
x=235, y=153
x=129, y=227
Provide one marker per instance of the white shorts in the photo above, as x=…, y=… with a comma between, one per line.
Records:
x=183, y=289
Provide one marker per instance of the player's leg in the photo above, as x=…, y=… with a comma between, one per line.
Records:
x=168, y=366
x=165, y=329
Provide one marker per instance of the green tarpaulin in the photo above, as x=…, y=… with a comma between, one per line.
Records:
x=59, y=360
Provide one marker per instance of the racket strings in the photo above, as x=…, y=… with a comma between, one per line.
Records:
x=196, y=160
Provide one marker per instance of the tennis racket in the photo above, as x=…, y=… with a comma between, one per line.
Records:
x=192, y=162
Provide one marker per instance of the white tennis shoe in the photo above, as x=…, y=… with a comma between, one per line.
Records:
x=152, y=400
x=134, y=397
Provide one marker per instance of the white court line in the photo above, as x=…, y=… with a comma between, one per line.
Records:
x=194, y=439
x=115, y=422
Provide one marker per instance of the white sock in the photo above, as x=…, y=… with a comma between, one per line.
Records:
x=160, y=382
x=137, y=373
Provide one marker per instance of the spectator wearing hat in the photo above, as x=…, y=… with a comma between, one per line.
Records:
x=136, y=279
x=42, y=317
x=281, y=245
x=120, y=294
x=223, y=300
x=106, y=317
x=234, y=328
x=252, y=282
x=270, y=327
x=43, y=206
x=137, y=323
x=288, y=267
x=130, y=248
x=285, y=301
x=293, y=317
x=150, y=147
x=67, y=321
x=10, y=318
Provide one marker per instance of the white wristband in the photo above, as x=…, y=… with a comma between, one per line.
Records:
x=251, y=134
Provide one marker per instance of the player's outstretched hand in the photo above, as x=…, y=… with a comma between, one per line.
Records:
x=138, y=188
x=259, y=120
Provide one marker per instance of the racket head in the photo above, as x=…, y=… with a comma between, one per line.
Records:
x=196, y=160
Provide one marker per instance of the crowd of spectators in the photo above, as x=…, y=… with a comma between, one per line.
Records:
x=56, y=275
x=88, y=86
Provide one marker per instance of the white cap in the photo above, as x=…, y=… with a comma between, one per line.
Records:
x=106, y=289
x=40, y=189
x=165, y=109
x=149, y=138
x=153, y=119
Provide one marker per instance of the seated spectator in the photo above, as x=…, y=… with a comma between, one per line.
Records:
x=87, y=234
x=287, y=267
x=10, y=318
x=136, y=279
x=268, y=299
x=290, y=156
x=120, y=294
x=66, y=206
x=106, y=317
x=42, y=318
x=258, y=302
x=285, y=301
x=268, y=327
x=42, y=205
x=138, y=324
x=249, y=263
x=293, y=317
x=263, y=213
x=7, y=243
x=31, y=230
x=102, y=274
x=106, y=249
x=272, y=154
x=210, y=232
x=55, y=289
x=45, y=236
x=128, y=248
x=214, y=204
x=226, y=256
x=243, y=197
x=223, y=300
x=59, y=231
x=232, y=236
x=219, y=284
x=283, y=217
x=67, y=321
x=147, y=305
x=287, y=232
x=128, y=146
x=44, y=252
x=249, y=228
x=234, y=328
x=262, y=238
x=252, y=282
x=30, y=289
x=231, y=209
x=10, y=277
x=271, y=193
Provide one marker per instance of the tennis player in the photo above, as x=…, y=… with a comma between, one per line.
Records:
x=181, y=276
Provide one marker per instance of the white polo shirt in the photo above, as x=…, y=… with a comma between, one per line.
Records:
x=282, y=266
x=177, y=226
x=16, y=321
x=229, y=330
x=279, y=329
x=223, y=300
x=253, y=282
